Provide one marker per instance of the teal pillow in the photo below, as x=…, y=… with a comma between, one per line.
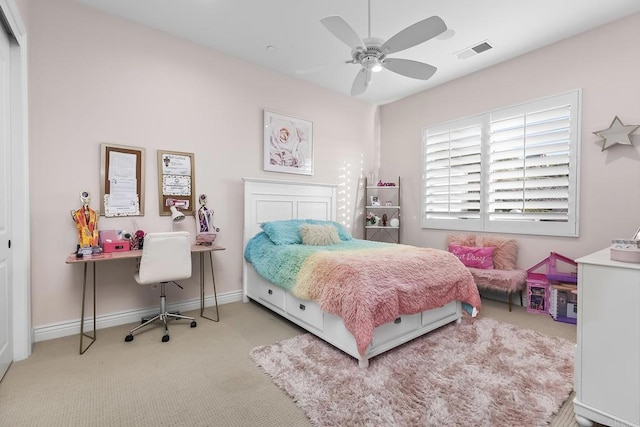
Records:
x=285, y=232
x=342, y=230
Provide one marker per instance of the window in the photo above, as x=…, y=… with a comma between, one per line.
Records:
x=513, y=170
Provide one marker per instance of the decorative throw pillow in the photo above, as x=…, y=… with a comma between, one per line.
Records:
x=461, y=239
x=319, y=235
x=285, y=232
x=342, y=230
x=505, y=251
x=473, y=256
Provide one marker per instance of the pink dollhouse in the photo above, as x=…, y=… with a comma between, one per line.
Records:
x=540, y=284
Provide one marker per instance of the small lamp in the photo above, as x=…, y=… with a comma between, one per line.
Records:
x=176, y=215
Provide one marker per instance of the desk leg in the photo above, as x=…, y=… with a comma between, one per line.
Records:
x=213, y=280
x=84, y=293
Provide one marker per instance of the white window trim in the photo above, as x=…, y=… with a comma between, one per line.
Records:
x=568, y=229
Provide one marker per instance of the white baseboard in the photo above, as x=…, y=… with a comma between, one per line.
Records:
x=63, y=329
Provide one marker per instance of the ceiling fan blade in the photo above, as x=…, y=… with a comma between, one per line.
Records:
x=361, y=82
x=417, y=33
x=409, y=68
x=339, y=28
x=321, y=67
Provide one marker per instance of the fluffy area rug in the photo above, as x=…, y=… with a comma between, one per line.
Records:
x=480, y=372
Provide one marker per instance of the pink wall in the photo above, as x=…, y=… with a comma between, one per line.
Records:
x=600, y=62
x=23, y=8
x=96, y=78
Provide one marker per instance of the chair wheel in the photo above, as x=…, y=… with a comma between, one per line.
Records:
x=194, y=324
x=128, y=338
x=165, y=338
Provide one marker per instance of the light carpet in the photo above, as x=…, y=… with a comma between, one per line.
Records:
x=481, y=372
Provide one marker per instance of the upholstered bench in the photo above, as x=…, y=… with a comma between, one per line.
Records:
x=491, y=261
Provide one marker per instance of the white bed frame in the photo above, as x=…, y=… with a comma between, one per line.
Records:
x=270, y=200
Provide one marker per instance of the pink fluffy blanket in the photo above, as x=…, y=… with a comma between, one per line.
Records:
x=370, y=287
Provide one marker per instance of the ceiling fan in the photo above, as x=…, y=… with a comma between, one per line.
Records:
x=372, y=53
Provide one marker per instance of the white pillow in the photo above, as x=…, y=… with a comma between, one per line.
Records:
x=319, y=235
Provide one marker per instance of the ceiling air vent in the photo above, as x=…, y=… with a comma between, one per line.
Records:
x=474, y=50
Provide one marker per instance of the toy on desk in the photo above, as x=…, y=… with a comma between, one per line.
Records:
x=139, y=238
x=86, y=220
x=206, y=232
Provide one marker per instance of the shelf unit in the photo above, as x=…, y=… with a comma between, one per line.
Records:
x=388, y=198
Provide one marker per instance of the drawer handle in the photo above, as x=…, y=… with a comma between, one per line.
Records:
x=302, y=307
x=270, y=292
x=398, y=320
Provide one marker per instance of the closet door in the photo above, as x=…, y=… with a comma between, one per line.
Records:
x=6, y=315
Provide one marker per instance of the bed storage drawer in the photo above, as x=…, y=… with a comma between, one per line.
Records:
x=304, y=310
x=436, y=314
x=395, y=329
x=273, y=295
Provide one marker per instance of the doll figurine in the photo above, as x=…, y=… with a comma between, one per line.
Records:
x=207, y=232
x=86, y=220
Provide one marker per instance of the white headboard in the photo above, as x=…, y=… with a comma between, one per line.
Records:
x=270, y=200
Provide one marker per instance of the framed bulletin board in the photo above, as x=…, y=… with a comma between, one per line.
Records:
x=176, y=183
x=121, y=180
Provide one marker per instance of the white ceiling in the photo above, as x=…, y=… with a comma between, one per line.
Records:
x=244, y=29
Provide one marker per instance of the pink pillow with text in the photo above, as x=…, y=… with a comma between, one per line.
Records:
x=473, y=256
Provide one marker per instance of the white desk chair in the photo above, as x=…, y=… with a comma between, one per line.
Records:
x=166, y=257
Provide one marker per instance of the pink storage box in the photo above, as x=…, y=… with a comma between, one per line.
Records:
x=116, y=246
x=625, y=255
x=110, y=242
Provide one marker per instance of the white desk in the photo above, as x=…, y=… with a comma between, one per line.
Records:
x=199, y=249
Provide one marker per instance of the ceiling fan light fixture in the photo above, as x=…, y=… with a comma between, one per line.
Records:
x=372, y=53
x=372, y=63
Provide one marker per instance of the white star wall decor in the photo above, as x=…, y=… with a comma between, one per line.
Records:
x=616, y=134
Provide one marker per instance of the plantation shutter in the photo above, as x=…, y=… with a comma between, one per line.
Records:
x=512, y=170
x=452, y=172
x=529, y=164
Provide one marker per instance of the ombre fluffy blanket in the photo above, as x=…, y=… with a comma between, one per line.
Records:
x=365, y=283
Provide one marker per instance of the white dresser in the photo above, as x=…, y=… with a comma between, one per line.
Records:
x=607, y=360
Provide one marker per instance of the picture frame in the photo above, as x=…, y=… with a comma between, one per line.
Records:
x=121, y=180
x=176, y=183
x=637, y=235
x=287, y=144
x=375, y=201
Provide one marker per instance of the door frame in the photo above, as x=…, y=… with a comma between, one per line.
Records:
x=22, y=332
